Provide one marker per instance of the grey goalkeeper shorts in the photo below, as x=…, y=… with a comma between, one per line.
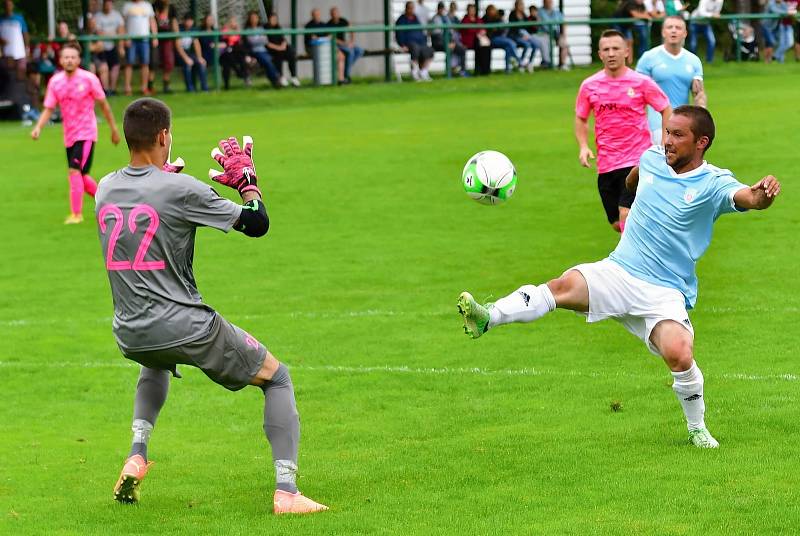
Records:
x=228, y=355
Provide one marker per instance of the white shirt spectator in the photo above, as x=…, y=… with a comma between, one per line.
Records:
x=422, y=13
x=11, y=30
x=654, y=6
x=708, y=8
x=137, y=17
x=108, y=24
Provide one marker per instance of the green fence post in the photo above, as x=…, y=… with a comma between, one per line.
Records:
x=387, y=43
x=738, y=41
x=216, y=61
x=447, y=55
x=293, y=37
x=334, y=63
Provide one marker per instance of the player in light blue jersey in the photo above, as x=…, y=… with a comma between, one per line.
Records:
x=677, y=72
x=648, y=282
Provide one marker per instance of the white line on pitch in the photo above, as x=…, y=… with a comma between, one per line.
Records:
x=432, y=371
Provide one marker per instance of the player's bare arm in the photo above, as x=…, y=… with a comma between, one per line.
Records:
x=699, y=93
x=43, y=119
x=632, y=180
x=106, y=109
x=582, y=135
x=759, y=196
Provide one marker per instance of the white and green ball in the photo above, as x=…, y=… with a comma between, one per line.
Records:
x=489, y=178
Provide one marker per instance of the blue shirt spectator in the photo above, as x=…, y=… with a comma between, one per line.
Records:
x=407, y=37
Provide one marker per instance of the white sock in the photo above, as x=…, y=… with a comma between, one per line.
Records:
x=688, y=387
x=526, y=304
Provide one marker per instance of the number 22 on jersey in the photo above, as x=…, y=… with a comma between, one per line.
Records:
x=138, y=264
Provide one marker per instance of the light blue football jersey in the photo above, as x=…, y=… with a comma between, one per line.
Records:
x=669, y=226
x=673, y=74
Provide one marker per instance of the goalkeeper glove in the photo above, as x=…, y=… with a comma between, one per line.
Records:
x=240, y=172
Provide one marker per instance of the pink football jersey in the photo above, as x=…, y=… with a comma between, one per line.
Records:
x=75, y=95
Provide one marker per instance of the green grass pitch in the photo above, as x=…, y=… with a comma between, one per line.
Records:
x=409, y=427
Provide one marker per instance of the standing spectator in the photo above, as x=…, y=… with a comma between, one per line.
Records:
x=476, y=39
x=14, y=40
x=232, y=54
x=109, y=22
x=346, y=43
x=257, y=48
x=618, y=96
x=140, y=22
x=459, y=53
x=191, y=56
x=166, y=21
x=676, y=7
x=784, y=27
x=281, y=51
x=634, y=9
x=452, y=13
x=523, y=37
x=555, y=32
x=706, y=9
x=208, y=43
x=422, y=12
x=500, y=39
x=415, y=42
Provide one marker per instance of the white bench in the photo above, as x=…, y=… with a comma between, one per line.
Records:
x=401, y=62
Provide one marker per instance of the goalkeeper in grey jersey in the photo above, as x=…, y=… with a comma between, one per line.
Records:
x=147, y=214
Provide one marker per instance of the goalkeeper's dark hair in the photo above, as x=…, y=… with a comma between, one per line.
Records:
x=144, y=119
x=702, y=122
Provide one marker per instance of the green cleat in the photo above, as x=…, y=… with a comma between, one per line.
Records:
x=702, y=439
x=476, y=316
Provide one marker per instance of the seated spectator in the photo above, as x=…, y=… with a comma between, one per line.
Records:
x=140, y=22
x=422, y=12
x=522, y=37
x=232, y=54
x=345, y=41
x=458, y=61
x=555, y=32
x=207, y=42
x=310, y=40
x=452, y=13
x=634, y=9
x=109, y=22
x=415, y=42
x=500, y=39
x=476, y=39
x=97, y=64
x=191, y=58
x=281, y=51
x=256, y=46
x=707, y=9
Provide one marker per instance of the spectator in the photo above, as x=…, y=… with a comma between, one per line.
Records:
x=208, y=43
x=232, y=55
x=785, y=28
x=476, y=39
x=281, y=51
x=529, y=43
x=706, y=9
x=314, y=23
x=415, y=42
x=676, y=8
x=346, y=43
x=422, y=12
x=500, y=39
x=634, y=9
x=97, y=65
x=14, y=40
x=140, y=22
x=257, y=48
x=555, y=32
x=191, y=57
x=109, y=22
x=459, y=53
x=166, y=21
x=452, y=13
x=655, y=8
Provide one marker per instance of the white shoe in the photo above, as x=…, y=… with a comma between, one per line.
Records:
x=415, y=75
x=529, y=67
x=295, y=82
x=283, y=82
x=425, y=75
x=565, y=67
x=702, y=439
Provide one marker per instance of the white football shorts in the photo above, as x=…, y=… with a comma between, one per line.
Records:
x=634, y=303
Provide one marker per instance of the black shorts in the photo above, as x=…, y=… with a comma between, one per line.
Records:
x=111, y=57
x=613, y=193
x=79, y=156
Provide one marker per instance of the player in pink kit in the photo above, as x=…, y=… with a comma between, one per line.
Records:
x=618, y=97
x=75, y=90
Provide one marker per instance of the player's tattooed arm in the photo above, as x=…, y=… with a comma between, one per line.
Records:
x=699, y=93
x=632, y=180
x=582, y=135
x=760, y=195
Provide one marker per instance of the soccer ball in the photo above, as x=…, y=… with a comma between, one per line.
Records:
x=489, y=178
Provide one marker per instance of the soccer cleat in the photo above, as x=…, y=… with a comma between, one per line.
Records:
x=284, y=502
x=133, y=472
x=73, y=219
x=702, y=439
x=476, y=316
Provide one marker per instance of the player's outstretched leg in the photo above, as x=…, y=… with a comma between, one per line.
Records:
x=151, y=393
x=526, y=304
x=282, y=427
x=476, y=316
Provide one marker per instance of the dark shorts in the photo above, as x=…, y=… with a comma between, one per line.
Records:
x=613, y=193
x=420, y=53
x=111, y=57
x=226, y=354
x=79, y=156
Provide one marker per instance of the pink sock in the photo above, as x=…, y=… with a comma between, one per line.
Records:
x=89, y=186
x=76, y=191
